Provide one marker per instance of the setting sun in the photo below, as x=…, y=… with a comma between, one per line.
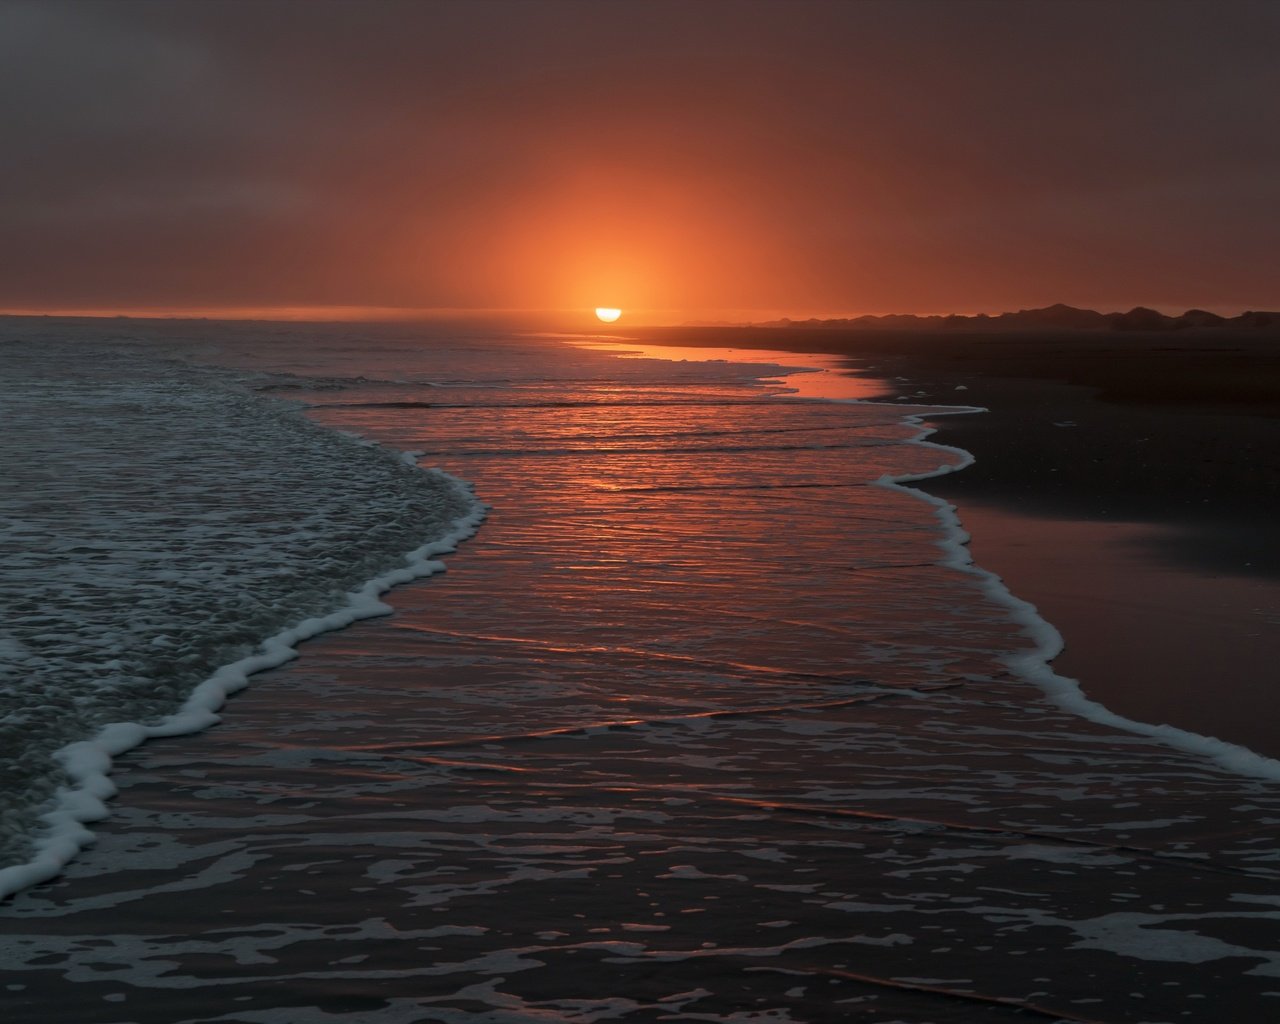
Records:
x=607, y=315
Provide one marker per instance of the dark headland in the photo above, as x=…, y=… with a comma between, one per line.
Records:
x=1127, y=482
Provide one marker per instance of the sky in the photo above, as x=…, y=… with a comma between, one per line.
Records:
x=708, y=158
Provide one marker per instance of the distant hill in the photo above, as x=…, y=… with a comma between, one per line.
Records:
x=1057, y=317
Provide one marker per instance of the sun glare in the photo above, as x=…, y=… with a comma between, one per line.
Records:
x=607, y=315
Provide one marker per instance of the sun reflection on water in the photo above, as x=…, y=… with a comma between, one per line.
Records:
x=803, y=375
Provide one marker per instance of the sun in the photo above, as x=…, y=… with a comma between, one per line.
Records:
x=607, y=315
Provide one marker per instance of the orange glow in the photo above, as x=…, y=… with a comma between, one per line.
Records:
x=706, y=164
x=302, y=313
x=814, y=374
x=607, y=314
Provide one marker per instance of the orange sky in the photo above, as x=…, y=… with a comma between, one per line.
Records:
x=797, y=158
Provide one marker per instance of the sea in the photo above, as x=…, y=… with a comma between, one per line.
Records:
x=395, y=673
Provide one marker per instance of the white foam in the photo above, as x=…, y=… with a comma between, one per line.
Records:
x=88, y=762
x=1034, y=664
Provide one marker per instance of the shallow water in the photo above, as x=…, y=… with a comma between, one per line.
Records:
x=696, y=728
x=159, y=521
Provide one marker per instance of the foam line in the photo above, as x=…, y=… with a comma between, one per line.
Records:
x=1034, y=665
x=88, y=762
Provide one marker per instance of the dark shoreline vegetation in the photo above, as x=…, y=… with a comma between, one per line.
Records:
x=1058, y=317
x=1173, y=427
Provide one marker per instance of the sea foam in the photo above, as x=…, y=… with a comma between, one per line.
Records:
x=166, y=534
x=1035, y=665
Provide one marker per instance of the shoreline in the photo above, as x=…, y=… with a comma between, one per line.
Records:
x=1142, y=526
x=91, y=761
x=647, y=725
x=1042, y=664
x=1173, y=424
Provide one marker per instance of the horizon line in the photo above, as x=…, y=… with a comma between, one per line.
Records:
x=339, y=313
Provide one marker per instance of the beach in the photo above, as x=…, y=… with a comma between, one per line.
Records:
x=710, y=720
x=632, y=512
x=1127, y=483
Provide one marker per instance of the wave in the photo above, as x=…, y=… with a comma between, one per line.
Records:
x=88, y=763
x=166, y=535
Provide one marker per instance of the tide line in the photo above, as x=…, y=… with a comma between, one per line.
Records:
x=1035, y=665
x=88, y=762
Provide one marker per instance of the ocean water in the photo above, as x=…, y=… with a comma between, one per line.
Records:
x=711, y=720
x=158, y=522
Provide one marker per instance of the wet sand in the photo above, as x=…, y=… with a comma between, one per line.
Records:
x=1154, y=640
x=1169, y=441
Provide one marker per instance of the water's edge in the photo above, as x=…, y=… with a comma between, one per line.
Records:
x=1036, y=665
x=89, y=762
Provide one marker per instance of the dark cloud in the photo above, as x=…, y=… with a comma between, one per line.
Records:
x=795, y=156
